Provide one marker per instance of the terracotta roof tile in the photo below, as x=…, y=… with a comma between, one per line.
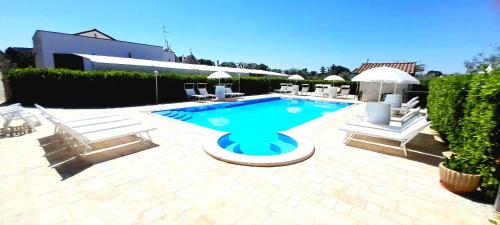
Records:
x=409, y=67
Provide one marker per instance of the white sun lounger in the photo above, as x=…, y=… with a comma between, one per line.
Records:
x=304, y=90
x=204, y=92
x=192, y=94
x=104, y=132
x=17, y=112
x=97, y=129
x=231, y=94
x=403, y=134
x=404, y=109
x=344, y=91
x=318, y=90
x=410, y=101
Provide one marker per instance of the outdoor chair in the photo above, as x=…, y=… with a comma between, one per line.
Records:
x=403, y=134
x=17, y=112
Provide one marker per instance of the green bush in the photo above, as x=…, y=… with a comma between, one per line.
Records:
x=445, y=104
x=61, y=87
x=464, y=110
x=479, y=134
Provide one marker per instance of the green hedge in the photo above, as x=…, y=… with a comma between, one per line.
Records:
x=445, y=104
x=465, y=109
x=61, y=87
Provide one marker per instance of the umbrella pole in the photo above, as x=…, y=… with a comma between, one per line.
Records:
x=395, y=87
x=380, y=92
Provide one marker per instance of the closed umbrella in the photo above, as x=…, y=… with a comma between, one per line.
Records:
x=219, y=75
x=333, y=78
x=385, y=74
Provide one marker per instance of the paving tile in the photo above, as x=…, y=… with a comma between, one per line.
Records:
x=177, y=183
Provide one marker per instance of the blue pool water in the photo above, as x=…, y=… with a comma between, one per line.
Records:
x=254, y=124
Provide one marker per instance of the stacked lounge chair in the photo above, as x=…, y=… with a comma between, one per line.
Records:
x=90, y=129
x=17, y=112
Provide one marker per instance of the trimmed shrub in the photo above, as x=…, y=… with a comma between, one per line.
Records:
x=62, y=87
x=464, y=109
x=480, y=133
x=445, y=104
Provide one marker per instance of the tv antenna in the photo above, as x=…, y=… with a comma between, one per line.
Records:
x=165, y=32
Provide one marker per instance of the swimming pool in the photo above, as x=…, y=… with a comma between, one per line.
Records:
x=254, y=125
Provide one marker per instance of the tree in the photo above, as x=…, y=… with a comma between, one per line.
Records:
x=483, y=64
x=434, y=73
x=337, y=70
x=313, y=73
x=207, y=62
x=228, y=64
x=262, y=66
x=20, y=57
x=322, y=70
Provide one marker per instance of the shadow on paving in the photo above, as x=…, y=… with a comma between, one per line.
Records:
x=423, y=148
x=68, y=159
x=15, y=131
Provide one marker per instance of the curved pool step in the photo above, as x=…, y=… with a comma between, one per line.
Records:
x=179, y=115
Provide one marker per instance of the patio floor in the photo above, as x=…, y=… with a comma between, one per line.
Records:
x=174, y=182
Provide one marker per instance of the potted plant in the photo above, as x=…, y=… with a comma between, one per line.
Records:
x=458, y=174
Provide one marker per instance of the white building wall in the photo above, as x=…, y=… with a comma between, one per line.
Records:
x=47, y=43
x=371, y=90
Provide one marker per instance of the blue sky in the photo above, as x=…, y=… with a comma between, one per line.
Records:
x=282, y=34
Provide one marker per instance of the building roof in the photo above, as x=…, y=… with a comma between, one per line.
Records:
x=190, y=59
x=20, y=49
x=94, y=38
x=100, y=62
x=95, y=33
x=409, y=67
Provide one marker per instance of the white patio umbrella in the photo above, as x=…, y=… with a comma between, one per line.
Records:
x=385, y=74
x=219, y=75
x=333, y=78
x=295, y=77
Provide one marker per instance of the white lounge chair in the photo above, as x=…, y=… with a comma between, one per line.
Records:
x=304, y=89
x=404, y=109
x=93, y=129
x=344, y=91
x=410, y=101
x=204, y=92
x=326, y=91
x=17, y=112
x=202, y=89
x=229, y=93
x=403, y=134
x=87, y=137
x=190, y=93
x=318, y=90
x=283, y=89
x=79, y=121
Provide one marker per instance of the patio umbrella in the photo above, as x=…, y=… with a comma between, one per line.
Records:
x=385, y=74
x=219, y=75
x=295, y=77
x=333, y=78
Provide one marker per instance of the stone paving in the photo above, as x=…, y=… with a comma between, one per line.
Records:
x=174, y=182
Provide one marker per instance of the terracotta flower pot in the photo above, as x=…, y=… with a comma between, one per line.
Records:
x=458, y=182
